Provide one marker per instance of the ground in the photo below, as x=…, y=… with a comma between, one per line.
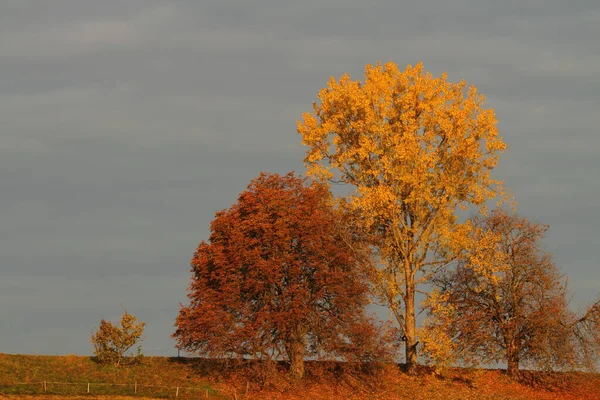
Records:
x=22, y=377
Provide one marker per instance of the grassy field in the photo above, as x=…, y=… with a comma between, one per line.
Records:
x=70, y=375
x=22, y=377
x=62, y=397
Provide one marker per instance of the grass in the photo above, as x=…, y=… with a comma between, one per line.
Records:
x=25, y=374
x=323, y=381
x=62, y=397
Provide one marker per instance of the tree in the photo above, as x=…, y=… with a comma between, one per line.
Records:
x=416, y=148
x=507, y=301
x=111, y=341
x=586, y=333
x=276, y=279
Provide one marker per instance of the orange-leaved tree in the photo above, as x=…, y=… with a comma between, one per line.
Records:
x=416, y=148
x=276, y=280
x=505, y=300
x=111, y=341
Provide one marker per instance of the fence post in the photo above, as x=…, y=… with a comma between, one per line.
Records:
x=177, y=392
x=44, y=386
x=207, y=393
x=135, y=387
x=88, y=387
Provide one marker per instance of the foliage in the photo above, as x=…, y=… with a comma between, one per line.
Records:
x=277, y=280
x=505, y=301
x=416, y=148
x=111, y=341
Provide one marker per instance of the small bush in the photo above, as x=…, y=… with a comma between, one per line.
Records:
x=111, y=341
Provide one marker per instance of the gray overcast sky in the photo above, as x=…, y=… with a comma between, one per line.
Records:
x=125, y=125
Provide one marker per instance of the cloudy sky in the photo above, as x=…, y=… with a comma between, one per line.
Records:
x=125, y=125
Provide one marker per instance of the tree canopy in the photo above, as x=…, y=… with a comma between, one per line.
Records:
x=277, y=279
x=506, y=301
x=416, y=148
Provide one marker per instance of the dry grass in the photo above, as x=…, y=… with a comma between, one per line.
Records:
x=51, y=397
x=389, y=382
x=21, y=374
x=324, y=380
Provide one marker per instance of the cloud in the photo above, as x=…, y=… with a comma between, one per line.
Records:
x=127, y=125
x=72, y=37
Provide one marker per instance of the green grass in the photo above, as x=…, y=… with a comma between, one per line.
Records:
x=25, y=374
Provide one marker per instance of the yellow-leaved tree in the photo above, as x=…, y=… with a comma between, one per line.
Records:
x=416, y=148
x=111, y=341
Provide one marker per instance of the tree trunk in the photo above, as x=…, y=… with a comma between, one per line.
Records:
x=512, y=357
x=513, y=367
x=295, y=352
x=297, y=362
x=410, y=345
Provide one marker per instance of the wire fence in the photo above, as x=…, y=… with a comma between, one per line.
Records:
x=122, y=389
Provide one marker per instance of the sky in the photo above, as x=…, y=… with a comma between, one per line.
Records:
x=125, y=125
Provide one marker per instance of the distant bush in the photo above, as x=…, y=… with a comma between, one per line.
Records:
x=111, y=341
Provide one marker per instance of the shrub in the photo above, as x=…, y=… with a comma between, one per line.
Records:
x=111, y=341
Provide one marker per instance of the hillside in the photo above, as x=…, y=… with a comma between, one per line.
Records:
x=154, y=376
x=23, y=375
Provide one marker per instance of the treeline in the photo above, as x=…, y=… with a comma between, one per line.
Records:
x=289, y=268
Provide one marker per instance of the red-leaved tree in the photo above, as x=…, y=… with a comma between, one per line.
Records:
x=278, y=280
